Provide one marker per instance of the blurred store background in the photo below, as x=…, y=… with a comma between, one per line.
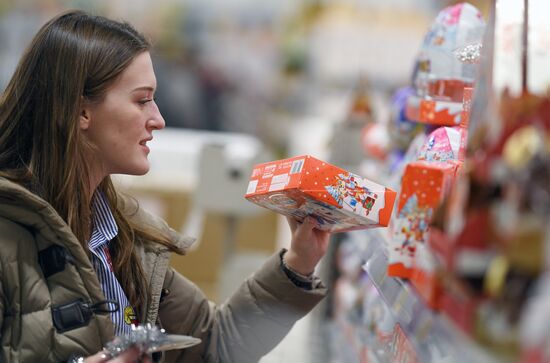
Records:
x=258, y=81
x=242, y=82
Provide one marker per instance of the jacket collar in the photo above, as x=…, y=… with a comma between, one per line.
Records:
x=20, y=205
x=130, y=207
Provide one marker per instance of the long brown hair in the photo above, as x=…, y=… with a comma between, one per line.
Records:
x=74, y=58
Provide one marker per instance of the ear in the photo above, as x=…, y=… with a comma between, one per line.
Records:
x=85, y=118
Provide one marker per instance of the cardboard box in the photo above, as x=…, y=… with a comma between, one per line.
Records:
x=303, y=185
x=439, y=252
x=442, y=113
x=422, y=190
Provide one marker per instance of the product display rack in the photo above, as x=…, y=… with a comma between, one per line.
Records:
x=412, y=332
x=433, y=335
x=461, y=273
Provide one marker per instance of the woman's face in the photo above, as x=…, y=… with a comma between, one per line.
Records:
x=123, y=122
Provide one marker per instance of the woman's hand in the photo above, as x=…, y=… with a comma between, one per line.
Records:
x=131, y=355
x=307, y=246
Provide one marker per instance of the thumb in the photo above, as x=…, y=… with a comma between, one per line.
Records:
x=304, y=230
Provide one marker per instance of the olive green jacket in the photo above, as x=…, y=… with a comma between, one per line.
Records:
x=241, y=330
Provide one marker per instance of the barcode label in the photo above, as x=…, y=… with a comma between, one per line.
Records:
x=252, y=186
x=279, y=182
x=297, y=166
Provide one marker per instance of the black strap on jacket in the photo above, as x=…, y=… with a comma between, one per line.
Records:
x=53, y=259
x=77, y=313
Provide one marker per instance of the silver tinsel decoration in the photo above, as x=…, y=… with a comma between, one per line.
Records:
x=149, y=339
x=470, y=53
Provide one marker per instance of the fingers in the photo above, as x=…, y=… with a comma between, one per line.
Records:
x=304, y=229
x=310, y=222
x=323, y=237
x=97, y=358
x=129, y=356
x=292, y=222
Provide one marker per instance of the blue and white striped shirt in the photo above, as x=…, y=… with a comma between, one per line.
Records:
x=104, y=229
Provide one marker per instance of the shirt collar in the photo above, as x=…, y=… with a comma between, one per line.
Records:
x=104, y=227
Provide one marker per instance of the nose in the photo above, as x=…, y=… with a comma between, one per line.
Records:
x=156, y=121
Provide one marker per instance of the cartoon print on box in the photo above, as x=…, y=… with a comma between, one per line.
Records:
x=422, y=190
x=440, y=75
x=454, y=27
x=326, y=213
x=442, y=144
x=290, y=203
x=351, y=193
x=300, y=207
x=410, y=228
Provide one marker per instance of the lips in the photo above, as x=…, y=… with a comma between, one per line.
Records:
x=144, y=141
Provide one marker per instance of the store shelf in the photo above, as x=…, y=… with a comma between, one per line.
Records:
x=433, y=337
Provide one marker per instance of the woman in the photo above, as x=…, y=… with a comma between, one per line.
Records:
x=79, y=264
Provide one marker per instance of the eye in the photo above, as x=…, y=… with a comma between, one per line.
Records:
x=144, y=101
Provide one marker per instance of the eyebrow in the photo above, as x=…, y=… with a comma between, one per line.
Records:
x=144, y=88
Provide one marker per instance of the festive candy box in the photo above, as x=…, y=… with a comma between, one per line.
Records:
x=423, y=187
x=437, y=255
x=337, y=199
x=445, y=66
x=442, y=144
x=445, y=113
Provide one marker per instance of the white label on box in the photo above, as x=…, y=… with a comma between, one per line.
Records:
x=268, y=171
x=278, y=182
x=252, y=186
x=297, y=166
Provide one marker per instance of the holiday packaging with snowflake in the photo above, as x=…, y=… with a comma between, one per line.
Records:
x=305, y=186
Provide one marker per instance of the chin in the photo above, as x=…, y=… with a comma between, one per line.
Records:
x=137, y=170
x=142, y=171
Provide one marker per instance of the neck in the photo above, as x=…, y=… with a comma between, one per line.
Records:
x=95, y=181
x=97, y=173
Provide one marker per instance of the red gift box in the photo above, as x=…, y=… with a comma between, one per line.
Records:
x=443, y=113
x=305, y=186
x=422, y=189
